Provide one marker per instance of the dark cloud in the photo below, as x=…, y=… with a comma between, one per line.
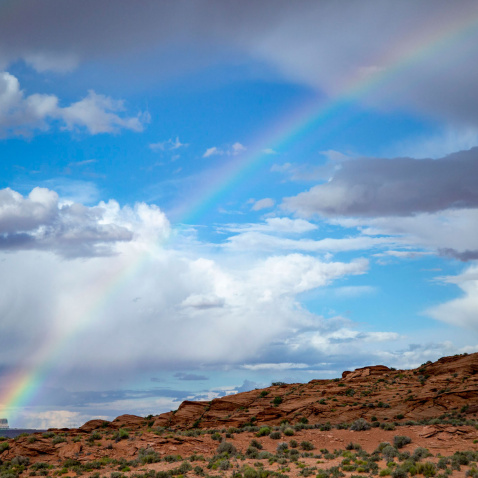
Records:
x=39, y=221
x=300, y=40
x=463, y=256
x=190, y=376
x=373, y=187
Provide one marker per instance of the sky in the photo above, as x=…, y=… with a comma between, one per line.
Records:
x=200, y=197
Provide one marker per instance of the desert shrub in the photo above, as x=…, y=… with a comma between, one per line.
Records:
x=307, y=445
x=256, y=444
x=95, y=435
x=20, y=460
x=400, y=441
x=288, y=432
x=264, y=393
x=216, y=436
x=226, y=447
x=420, y=453
x=293, y=444
x=148, y=455
x=58, y=439
x=172, y=458
x=389, y=452
x=32, y=439
x=426, y=469
x=381, y=446
x=252, y=452
x=264, y=455
x=282, y=447
x=275, y=435
x=387, y=426
x=198, y=471
x=325, y=427
x=264, y=431
x=224, y=464
x=277, y=401
x=184, y=467
x=442, y=463
x=4, y=446
x=360, y=425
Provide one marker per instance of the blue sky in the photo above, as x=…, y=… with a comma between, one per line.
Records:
x=199, y=198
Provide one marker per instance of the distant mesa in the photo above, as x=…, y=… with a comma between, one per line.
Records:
x=4, y=424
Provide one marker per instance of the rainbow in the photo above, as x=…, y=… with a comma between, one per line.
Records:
x=20, y=388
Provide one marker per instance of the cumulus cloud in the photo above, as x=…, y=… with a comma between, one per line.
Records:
x=400, y=187
x=40, y=221
x=21, y=114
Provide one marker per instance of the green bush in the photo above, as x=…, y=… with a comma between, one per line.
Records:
x=4, y=446
x=264, y=431
x=275, y=435
x=288, y=432
x=58, y=439
x=277, y=401
x=426, y=469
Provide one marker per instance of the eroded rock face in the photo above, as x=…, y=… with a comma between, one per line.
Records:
x=93, y=425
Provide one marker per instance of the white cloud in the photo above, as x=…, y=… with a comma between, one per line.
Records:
x=98, y=114
x=259, y=241
x=273, y=225
x=169, y=145
x=21, y=115
x=237, y=148
x=214, y=151
x=234, y=150
x=54, y=419
x=265, y=203
x=450, y=140
x=461, y=311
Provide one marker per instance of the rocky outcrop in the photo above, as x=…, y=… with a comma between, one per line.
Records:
x=443, y=390
x=448, y=386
